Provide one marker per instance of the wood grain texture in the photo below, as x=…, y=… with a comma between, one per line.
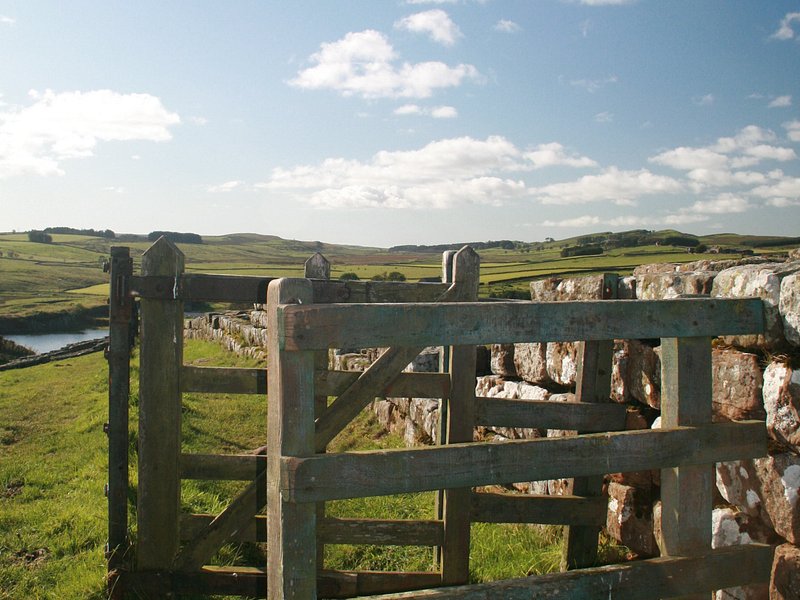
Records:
x=119, y=374
x=541, y=414
x=333, y=530
x=686, y=492
x=638, y=580
x=492, y=507
x=161, y=356
x=239, y=380
x=456, y=513
x=381, y=472
x=593, y=386
x=418, y=325
x=291, y=539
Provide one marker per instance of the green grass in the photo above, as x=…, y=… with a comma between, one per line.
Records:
x=53, y=468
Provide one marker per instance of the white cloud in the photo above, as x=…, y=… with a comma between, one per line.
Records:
x=5, y=20
x=435, y=23
x=785, y=188
x=592, y=85
x=612, y=185
x=717, y=164
x=67, y=125
x=408, y=109
x=228, y=186
x=604, y=117
x=364, y=64
x=781, y=102
x=785, y=31
x=437, y=112
x=793, y=130
x=444, y=112
x=553, y=154
x=507, y=26
x=114, y=189
x=582, y=221
x=197, y=120
x=723, y=204
x=443, y=173
x=431, y=1
x=627, y=220
x=706, y=100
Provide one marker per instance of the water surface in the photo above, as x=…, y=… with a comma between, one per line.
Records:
x=46, y=342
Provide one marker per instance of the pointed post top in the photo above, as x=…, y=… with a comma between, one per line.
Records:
x=318, y=267
x=162, y=258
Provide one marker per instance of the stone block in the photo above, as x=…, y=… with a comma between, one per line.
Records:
x=729, y=528
x=630, y=520
x=736, y=385
x=530, y=362
x=642, y=378
x=626, y=288
x=557, y=289
x=562, y=362
x=663, y=286
x=782, y=404
x=761, y=281
x=789, y=308
x=785, y=578
x=502, y=360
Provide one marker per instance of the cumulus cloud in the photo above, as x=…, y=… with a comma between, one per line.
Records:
x=507, y=26
x=604, y=117
x=437, y=112
x=792, y=130
x=365, y=64
x=605, y=2
x=723, y=204
x=628, y=220
x=781, y=102
x=785, y=30
x=223, y=188
x=5, y=20
x=720, y=164
x=592, y=85
x=443, y=173
x=436, y=24
x=68, y=125
x=612, y=185
x=554, y=154
x=431, y=1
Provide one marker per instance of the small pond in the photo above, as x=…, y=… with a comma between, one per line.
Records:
x=46, y=342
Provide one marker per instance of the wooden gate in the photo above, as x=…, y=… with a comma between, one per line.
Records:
x=685, y=448
x=296, y=476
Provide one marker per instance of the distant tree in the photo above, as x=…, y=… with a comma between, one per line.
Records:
x=175, y=237
x=581, y=251
x=349, y=276
x=40, y=237
x=391, y=276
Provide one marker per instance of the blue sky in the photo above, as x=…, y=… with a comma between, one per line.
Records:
x=407, y=121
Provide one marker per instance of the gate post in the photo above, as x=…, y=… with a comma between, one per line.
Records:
x=460, y=415
x=291, y=535
x=686, y=492
x=119, y=373
x=158, y=504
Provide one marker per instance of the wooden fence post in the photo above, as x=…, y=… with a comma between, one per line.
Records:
x=158, y=504
x=291, y=535
x=686, y=492
x=119, y=373
x=318, y=267
x=593, y=385
x=456, y=505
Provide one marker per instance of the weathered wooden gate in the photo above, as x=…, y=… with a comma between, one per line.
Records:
x=685, y=448
x=296, y=477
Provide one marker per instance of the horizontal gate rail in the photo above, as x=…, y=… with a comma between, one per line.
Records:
x=336, y=530
x=238, y=380
x=663, y=577
x=383, y=472
x=541, y=414
x=492, y=507
x=316, y=327
x=239, y=288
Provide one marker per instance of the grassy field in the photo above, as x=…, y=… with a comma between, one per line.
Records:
x=67, y=274
x=53, y=468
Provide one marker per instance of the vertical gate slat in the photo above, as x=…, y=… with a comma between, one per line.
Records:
x=593, y=385
x=119, y=373
x=318, y=267
x=291, y=535
x=456, y=505
x=686, y=492
x=160, y=414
